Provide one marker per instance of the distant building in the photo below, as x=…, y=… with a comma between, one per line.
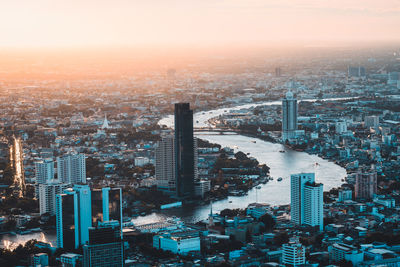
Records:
x=306, y=206
x=71, y=168
x=178, y=243
x=294, y=253
x=356, y=71
x=44, y=170
x=340, y=127
x=345, y=194
x=71, y=260
x=366, y=184
x=278, y=72
x=47, y=196
x=371, y=121
x=40, y=260
x=393, y=78
x=340, y=251
x=289, y=117
x=201, y=187
x=165, y=164
x=184, y=151
x=141, y=161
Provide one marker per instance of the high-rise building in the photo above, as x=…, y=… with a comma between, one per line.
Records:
x=165, y=164
x=106, y=205
x=79, y=209
x=67, y=220
x=289, y=116
x=105, y=247
x=294, y=253
x=44, y=170
x=47, y=196
x=306, y=206
x=184, y=151
x=366, y=184
x=71, y=168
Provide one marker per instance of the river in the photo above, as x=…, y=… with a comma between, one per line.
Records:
x=281, y=165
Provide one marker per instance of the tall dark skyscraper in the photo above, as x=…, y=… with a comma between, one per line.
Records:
x=184, y=151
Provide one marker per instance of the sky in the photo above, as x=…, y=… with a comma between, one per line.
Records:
x=47, y=23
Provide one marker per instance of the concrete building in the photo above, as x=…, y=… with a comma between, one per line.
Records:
x=341, y=127
x=47, y=196
x=44, y=170
x=71, y=168
x=39, y=260
x=201, y=187
x=289, y=116
x=165, y=164
x=306, y=206
x=71, y=260
x=371, y=121
x=294, y=253
x=141, y=161
x=345, y=194
x=366, y=184
x=178, y=243
x=340, y=251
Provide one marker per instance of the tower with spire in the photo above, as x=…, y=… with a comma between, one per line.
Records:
x=106, y=124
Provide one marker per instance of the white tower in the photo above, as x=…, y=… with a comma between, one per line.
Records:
x=306, y=200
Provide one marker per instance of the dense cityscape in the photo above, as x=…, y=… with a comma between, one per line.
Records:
x=199, y=133
x=272, y=166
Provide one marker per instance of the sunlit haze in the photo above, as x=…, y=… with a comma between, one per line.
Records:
x=44, y=23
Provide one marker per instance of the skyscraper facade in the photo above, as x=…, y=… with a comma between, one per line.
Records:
x=289, y=116
x=44, y=170
x=306, y=205
x=184, y=151
x=105, y=247
x=71, y=168
x=165, y=164
x=366, y=184
x=79, y=209
x=47, y=196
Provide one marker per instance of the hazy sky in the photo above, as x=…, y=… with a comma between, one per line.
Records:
x=204, y=22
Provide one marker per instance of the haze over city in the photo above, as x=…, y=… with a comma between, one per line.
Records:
x=47, y=23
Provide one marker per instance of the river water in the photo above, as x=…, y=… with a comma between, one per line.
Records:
x=281, y=165
x=273, y=193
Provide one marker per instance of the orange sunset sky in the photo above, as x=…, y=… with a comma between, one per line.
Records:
x=32, y=23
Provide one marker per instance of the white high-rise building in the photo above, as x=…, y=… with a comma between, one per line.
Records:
x=289, y=116
x=294, y=253
x=71, y=168
x=165, y=164
x=47, y=196
x=44, y=171
x=306, y=206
